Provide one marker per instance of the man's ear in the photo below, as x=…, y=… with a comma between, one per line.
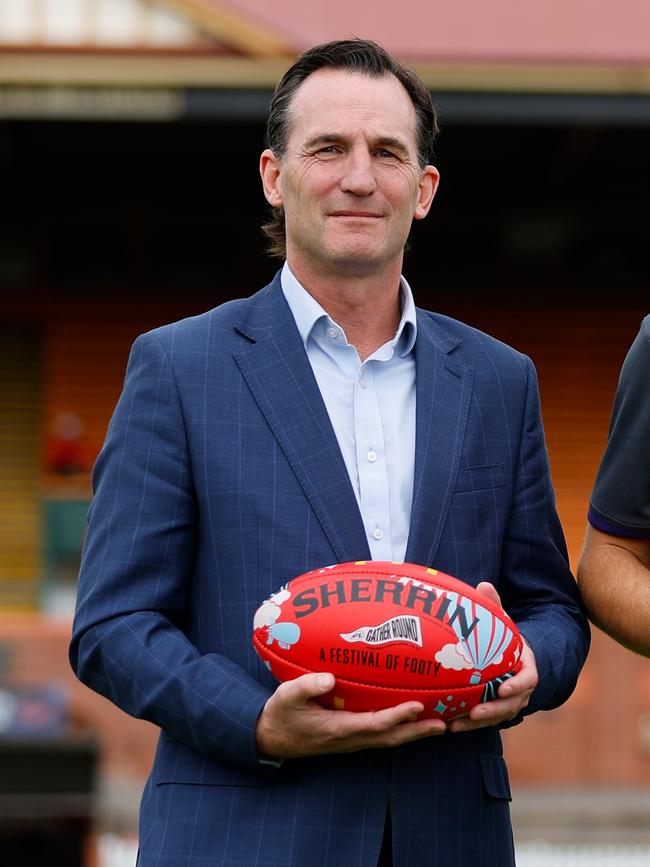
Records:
x=270, y=172
x=429, y=181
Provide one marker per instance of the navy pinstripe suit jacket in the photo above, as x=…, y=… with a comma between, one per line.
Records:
x=220, y=479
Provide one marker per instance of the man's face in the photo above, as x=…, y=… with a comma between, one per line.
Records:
x=349, y=183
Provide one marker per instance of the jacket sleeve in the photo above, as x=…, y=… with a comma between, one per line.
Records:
x=128, y=642
x=536, y=584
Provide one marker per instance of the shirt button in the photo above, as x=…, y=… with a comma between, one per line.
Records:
x=378, y=534
x=372, y=456
x=332, y=332
x=363, y=382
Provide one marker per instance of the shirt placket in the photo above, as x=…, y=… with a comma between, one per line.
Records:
x=371, y=463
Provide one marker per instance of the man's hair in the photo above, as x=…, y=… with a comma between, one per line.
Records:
x=353, y=55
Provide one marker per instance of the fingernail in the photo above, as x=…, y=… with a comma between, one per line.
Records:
x=326, y=681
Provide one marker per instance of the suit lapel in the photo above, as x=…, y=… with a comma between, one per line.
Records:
x=278, y=373
x=443, y=388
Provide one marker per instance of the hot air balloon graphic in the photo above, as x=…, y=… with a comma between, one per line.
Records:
x=265, y=621
x=482, y=637
x=286, y=634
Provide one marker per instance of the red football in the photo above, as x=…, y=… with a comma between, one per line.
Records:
x=389, y=632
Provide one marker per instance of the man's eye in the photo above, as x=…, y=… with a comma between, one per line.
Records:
x=386, y=155
x=328, y=149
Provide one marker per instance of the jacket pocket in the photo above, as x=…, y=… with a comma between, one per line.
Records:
x=222, y=777
x=177, y=763
x=495, y=776
x=480, y=478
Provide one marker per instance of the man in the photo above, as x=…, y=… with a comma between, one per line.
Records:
x=324, y=419
x=614, y=570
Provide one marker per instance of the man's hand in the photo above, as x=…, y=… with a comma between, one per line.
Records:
x=514, y=694
x=293, y=724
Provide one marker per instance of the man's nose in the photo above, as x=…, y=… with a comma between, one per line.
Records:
x=359, y=176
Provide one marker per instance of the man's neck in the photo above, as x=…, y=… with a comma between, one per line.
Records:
x=366, y=307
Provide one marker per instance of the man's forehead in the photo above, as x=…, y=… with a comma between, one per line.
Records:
x=355, y=94
x=330, y=79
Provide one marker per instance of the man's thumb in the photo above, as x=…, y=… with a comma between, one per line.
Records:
x=313, y=685
x=489, y=590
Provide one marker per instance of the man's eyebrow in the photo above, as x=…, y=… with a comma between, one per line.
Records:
x=324, y=138
x=391, y=142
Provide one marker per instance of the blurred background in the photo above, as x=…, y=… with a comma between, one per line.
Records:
x=130, y=132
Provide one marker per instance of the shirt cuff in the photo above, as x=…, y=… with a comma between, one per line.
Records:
x=599, y=523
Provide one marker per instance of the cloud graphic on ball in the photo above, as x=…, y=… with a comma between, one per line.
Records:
x=452, y=656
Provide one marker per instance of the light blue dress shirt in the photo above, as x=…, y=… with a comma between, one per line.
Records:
x=371, y=405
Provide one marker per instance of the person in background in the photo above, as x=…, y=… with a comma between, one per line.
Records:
x=614, y=568
x=324, y=419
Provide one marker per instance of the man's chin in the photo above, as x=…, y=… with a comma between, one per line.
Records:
x=359, y=258
x=357, y=264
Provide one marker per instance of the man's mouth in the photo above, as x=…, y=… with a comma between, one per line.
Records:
x=356, y=215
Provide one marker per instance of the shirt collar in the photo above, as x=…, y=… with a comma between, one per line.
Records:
x=308, y=312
